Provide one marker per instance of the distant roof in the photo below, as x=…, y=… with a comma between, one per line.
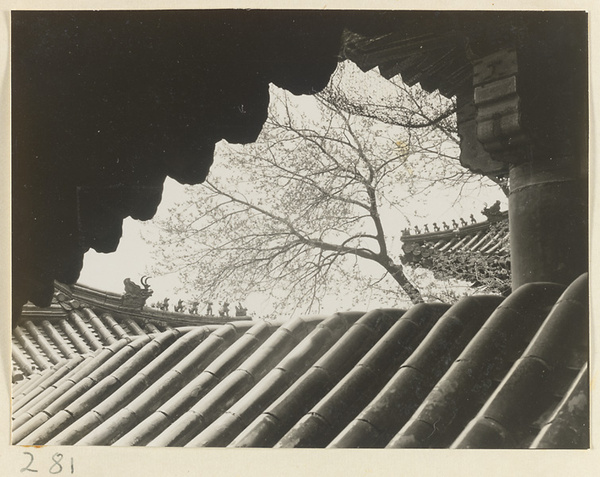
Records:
x=470, y=236
x=487, y=372
x=83, y=320
x=448, y=250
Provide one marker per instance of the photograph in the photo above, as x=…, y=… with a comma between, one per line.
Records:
x=297, y=228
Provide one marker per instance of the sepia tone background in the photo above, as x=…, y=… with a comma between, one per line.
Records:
x=108, y=461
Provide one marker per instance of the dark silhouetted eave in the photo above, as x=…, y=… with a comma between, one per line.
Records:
x=163, y=88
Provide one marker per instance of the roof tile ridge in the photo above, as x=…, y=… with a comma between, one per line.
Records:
x=227, y=426
x=44, y=387
x=85, y=410
x=21, y=360
x=195, y=389
x=318, y=379
x=374, y=427
x=349, y=396
x=79, y=344
x=57, y=339
x=166, y=385
x=454, y=232
x=565, y=327
x=42, y=342
x=40, y=361
x=60, y=384
x=492, y=351
x=568, y=427
x=70, y=391
x=93, y=342
x=105, y=335
x=237, y=383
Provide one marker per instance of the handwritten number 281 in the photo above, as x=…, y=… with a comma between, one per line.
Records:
x=55, y=468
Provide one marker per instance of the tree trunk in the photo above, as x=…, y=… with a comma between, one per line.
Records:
x=398, y=273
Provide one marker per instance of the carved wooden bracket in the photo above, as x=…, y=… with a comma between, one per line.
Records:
x=496, y=98
x=473, y=156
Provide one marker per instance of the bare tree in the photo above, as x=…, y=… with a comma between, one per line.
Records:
x=324, y=187
x=410, y=108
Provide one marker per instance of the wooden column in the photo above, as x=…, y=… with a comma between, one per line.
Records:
x=548, y=222
x=531, y=102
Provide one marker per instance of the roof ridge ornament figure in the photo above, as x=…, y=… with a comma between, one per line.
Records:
x=240, y=310
x=493, y=213
x=135, y=296
x=180, y=307
x=224, y=310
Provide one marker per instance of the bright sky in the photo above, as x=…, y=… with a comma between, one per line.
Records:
x=107, y=271
x=134, y=255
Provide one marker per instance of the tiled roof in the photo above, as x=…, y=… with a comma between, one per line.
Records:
x=83, y=320
x=436, y=59
x=489, y=237
x=478, y=252
x=485, y=372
